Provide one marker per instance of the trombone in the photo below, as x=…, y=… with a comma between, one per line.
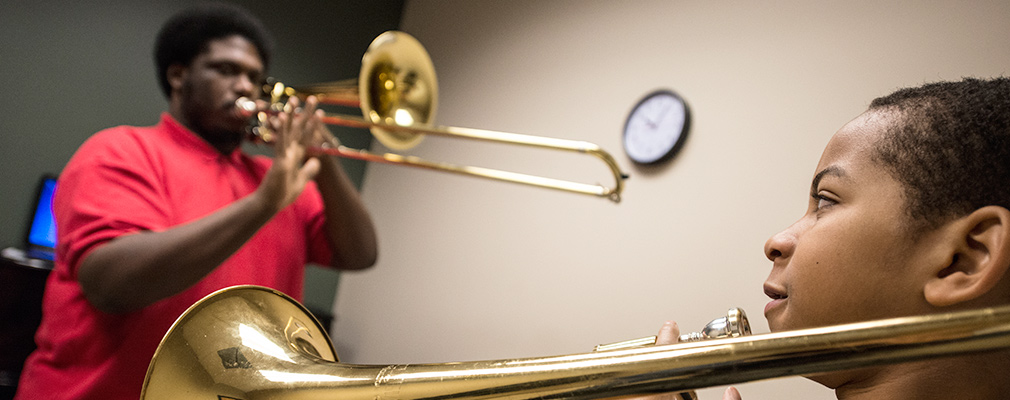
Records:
x=252, y=342
x=397, y=92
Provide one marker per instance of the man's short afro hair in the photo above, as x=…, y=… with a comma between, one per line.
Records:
x=186, y=35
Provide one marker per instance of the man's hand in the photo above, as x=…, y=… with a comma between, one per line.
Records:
x=291, y=169
x=296, y=161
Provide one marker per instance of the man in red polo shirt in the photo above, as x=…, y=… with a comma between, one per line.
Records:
x=151, y=219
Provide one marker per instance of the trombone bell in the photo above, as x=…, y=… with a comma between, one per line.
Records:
x=398, y=86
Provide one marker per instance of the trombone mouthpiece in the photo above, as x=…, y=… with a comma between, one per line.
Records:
x=734, y=324
x=246, y=107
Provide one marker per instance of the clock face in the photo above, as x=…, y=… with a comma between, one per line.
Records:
x=656, y=128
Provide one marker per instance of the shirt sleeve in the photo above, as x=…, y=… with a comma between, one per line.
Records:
x=108, y=189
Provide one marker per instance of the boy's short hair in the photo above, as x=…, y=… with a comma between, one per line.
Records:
x=950, y=147
x=186, y=35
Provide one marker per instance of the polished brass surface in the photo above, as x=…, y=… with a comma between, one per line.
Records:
x=250, y=342
x=397, y=91
x=734, y=324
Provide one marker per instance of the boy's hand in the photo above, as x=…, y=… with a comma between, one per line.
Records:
x=670, y=334
x=731, y=394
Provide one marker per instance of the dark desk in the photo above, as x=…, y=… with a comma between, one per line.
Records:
x=21, y=285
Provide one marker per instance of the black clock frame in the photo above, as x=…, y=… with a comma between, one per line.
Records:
x=672, y=151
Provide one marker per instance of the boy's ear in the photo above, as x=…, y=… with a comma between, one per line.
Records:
x=981, y=245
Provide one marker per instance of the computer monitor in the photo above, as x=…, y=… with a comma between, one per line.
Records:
x=40, y=236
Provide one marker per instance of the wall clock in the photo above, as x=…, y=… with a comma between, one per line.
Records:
x=656, y=127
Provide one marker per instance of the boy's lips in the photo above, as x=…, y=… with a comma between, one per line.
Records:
x=777, y=294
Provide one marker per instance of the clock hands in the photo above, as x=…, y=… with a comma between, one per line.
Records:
x=662, y=115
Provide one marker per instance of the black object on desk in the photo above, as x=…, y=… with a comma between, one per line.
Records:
x=23, y=280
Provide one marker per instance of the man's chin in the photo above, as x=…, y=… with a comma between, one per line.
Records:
x=222, y=135
x=232, y=126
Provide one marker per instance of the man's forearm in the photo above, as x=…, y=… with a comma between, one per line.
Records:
x=133, y=271
x=350, y=228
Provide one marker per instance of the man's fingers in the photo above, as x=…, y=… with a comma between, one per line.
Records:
x=291, y=135
x=277, y=123
x=308, y=171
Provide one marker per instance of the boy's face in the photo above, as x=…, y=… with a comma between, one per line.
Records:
x=851, y=256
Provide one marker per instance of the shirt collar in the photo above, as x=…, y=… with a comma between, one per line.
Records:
x=192, y=141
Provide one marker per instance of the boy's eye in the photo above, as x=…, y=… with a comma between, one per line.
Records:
x=823, y=201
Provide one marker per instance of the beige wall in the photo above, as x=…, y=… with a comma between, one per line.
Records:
x=473, y=269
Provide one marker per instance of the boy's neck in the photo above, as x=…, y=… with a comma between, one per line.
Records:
x=980, y=376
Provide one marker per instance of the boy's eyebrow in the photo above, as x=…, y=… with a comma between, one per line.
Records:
x=830, y=170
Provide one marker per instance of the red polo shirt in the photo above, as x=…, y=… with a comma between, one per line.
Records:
x=129, y=179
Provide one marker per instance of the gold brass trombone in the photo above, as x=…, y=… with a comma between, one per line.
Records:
x=250, y=343
x=397, y=92
x=734, y=324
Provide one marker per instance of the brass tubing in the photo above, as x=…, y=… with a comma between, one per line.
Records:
x=397, y=92
x=582, y=147
x=301, y=364
x=734, y=324
x=612, y=193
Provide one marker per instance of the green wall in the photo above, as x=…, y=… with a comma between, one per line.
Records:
x=69, y=69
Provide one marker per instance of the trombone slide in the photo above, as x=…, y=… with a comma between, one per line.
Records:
x=251, y=343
